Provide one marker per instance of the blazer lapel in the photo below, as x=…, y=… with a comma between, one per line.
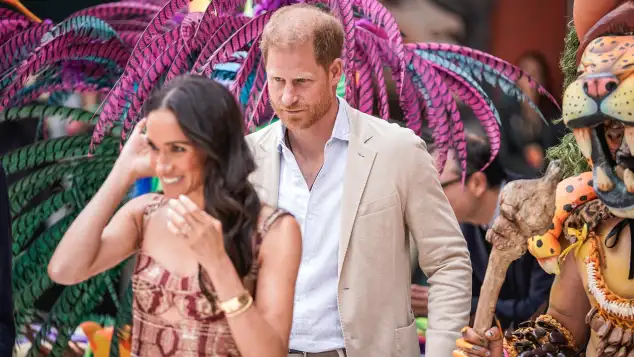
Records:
x=268, y=162
x=360, y=160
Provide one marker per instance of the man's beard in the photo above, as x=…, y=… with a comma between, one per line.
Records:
x=307, y=117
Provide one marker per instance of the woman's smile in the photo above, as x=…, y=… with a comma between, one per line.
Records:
x=171, y=180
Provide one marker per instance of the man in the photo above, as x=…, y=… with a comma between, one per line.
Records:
x=7, y=327
x=358, y=186
x=526, y=287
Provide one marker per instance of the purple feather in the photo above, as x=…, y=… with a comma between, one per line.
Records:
x=245, y=69
x=58, y=49
x=9, y=27
x=480, y=106
x=259, y=87
x=237, y=41
x=23, y=42
x=121, y=9
x=115, y=100
x=374, y=59
x=6, y=14
x=149, y=81
x=226, y=27
x=162, y=17
x=364, y=85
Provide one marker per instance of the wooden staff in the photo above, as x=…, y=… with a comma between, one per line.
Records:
x=527, y=208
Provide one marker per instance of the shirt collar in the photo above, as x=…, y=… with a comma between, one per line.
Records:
x=340, y=131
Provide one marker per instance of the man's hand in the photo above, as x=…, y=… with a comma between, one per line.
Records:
x=420, y=295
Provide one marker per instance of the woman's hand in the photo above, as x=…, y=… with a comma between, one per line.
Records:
x=135, y=155
x=471, y=344
x=200, y=231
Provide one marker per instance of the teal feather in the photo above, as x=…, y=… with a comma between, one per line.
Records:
x=490, y=75
x=464, y=75
x=88, y=26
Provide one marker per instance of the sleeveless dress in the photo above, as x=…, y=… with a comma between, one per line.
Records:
x=203, y=330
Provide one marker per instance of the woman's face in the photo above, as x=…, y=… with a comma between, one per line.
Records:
x=178, y=163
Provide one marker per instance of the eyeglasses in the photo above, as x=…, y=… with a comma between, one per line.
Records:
x=450, y=182
x=456, y=180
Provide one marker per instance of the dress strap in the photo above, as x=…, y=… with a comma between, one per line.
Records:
x=151, y=207
x=156, y=202
x=263, y=229
x=251, y=278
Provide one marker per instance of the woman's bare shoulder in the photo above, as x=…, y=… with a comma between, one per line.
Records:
x=279, y=227
x=138, y=208
x=140, y=203
x=273, y=218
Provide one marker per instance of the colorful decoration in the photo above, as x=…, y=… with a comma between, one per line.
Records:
x=100, y=339
x=421, y=329
x=571, y=193
x=595, y=200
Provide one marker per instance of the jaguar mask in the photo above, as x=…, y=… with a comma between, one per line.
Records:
x=599, y=107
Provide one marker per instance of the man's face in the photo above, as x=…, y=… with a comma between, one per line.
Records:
x=462, y=200
x=301, y=91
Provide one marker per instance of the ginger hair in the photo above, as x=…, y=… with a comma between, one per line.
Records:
x=297, y=24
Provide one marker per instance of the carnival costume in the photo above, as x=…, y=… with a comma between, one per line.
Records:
x=595, y=200
x=115, y=51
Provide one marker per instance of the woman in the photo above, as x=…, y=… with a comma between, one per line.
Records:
x=206, y=245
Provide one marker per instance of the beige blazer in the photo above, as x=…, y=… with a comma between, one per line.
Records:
x=391, y=189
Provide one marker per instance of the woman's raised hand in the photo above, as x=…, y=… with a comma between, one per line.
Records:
x=135, y=155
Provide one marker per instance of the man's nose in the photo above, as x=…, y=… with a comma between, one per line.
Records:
x=600, y=87
x=288, y=97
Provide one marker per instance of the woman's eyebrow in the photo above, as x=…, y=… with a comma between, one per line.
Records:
x=176, y=142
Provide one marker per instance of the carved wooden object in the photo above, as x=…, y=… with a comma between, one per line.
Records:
x=527, y=208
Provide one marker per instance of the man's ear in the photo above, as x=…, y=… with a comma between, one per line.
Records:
x=477, y=183
x=335, y=71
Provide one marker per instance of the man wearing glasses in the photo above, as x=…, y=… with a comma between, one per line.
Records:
x=476, y=205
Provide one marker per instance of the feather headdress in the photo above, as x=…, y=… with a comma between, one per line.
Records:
x=222, y=43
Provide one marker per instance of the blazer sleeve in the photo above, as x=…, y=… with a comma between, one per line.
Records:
x=7, y=327
x=443, y=253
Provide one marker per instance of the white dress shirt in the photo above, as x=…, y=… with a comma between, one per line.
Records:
x=316, y=321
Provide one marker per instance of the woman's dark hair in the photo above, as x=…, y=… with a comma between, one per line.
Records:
x=210, y=117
